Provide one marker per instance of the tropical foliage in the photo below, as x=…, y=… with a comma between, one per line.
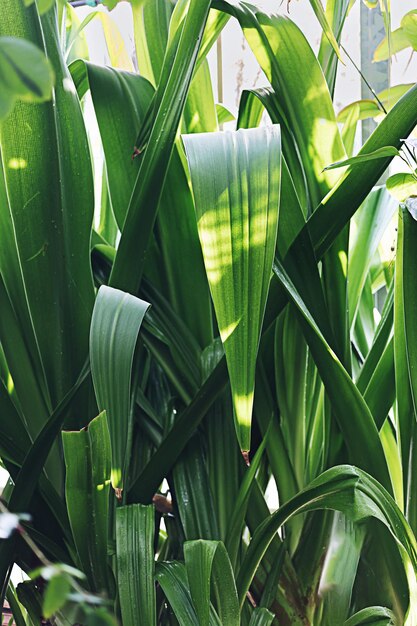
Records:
x=223, y=321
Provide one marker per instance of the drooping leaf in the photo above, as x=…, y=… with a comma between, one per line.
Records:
x=236, y=186
x=388, y=151
x=115, y=325
x=372, y=616
x=358, y=496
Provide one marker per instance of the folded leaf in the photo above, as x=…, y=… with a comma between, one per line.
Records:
x=236, y=185
x=115, y=325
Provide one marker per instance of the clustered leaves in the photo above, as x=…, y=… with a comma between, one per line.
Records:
x=221, y=322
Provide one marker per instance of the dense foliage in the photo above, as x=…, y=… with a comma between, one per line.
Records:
x=226, y=323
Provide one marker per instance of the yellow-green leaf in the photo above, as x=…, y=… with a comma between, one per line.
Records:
x=236, y=185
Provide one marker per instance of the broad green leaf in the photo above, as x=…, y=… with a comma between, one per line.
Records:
x=115, y=325
x=87, y=455
x=170, y=99
x=372, y=616
x=358, y=496
x=402, y=186
x=294, y=72
x=236, y=186
x=349, y=129
x=409, y=25
x=25, y=74
x=120, y=101
x=406, y=415
x=46, y=173
x=388, y=151
x=56, y=594
x=173, y=579
x=135, y=530
x=206, y=561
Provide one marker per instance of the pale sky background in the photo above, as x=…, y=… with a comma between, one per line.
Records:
x=240, y=69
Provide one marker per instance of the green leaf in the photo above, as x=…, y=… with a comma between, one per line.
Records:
x=327, y=30
x=205, y=560
x=358, y=496
x=25, y=74
x=409, y=25
x=170, y=99
x=115, y=325
x=56, y=595
x=36, y=262
x=294, y=72
x=223, y=114
x=402, y=186
x=372, y=616
x=261, y=617
x=87, y=459
x=398, y=41
x=387, y=151
x=356, y=423
x=336, y=209
x=135, y=530
x=236, y=186
x=408, y=240
x=173, y=579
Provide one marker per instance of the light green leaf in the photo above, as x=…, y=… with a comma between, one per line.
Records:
x=409, y=25
x=388, y=151
x=236, y=185
x=398, y=41
x=25, y=74
x=56, y=595
x=402, y=186
x=371, y=222
x=115, y=325
x=135, y=530
x=327, y=30
x=223, y=114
